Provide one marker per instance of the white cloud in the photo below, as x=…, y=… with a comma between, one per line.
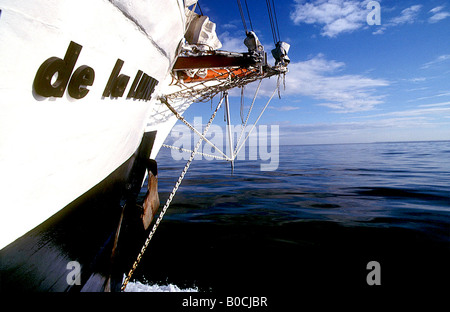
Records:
x=440, y=59
x=425, y=122
x=317, y=78
x=341, y=16
x=417, y=79
x=384, y=129
x=285, y=108
x=337, y=16
x=410, y=16
x=442, y=94
x=341, y=127
x=379, y=31
x=436, y=104
x=344, y=16
x=407, y=16
x=436, y=9
x=343, y=93
x=437, y=109
x=233, y=44
x=438, y=15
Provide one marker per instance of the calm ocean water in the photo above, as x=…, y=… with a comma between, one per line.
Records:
x=316, y=221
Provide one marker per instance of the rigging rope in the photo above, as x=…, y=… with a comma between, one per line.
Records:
x=248, y=116
x=201, y=12
x=242, y=15
x=259, y=117
x=276, y=20
x=202, y=136
x=241, y=11
x=269, y=11
x=248, y=13
x=273, y=21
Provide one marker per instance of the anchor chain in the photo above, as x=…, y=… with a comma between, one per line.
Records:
x=169, y=200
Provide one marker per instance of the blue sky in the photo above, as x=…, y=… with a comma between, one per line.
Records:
x=349, y=82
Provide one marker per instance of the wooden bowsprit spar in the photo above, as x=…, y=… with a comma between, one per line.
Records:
x=216, y=60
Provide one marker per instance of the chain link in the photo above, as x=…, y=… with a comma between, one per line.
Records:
x=189, y=151
x=169, y=200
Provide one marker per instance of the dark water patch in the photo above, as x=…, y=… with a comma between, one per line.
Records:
x=402, y=193
x=314, y=222
x=304, y=254
x=326, y=206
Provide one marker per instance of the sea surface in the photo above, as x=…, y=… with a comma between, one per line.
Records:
x=315, y=222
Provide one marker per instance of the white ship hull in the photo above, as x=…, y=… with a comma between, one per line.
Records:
x=79, y=115
x=85, y=88
x=53, y=149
